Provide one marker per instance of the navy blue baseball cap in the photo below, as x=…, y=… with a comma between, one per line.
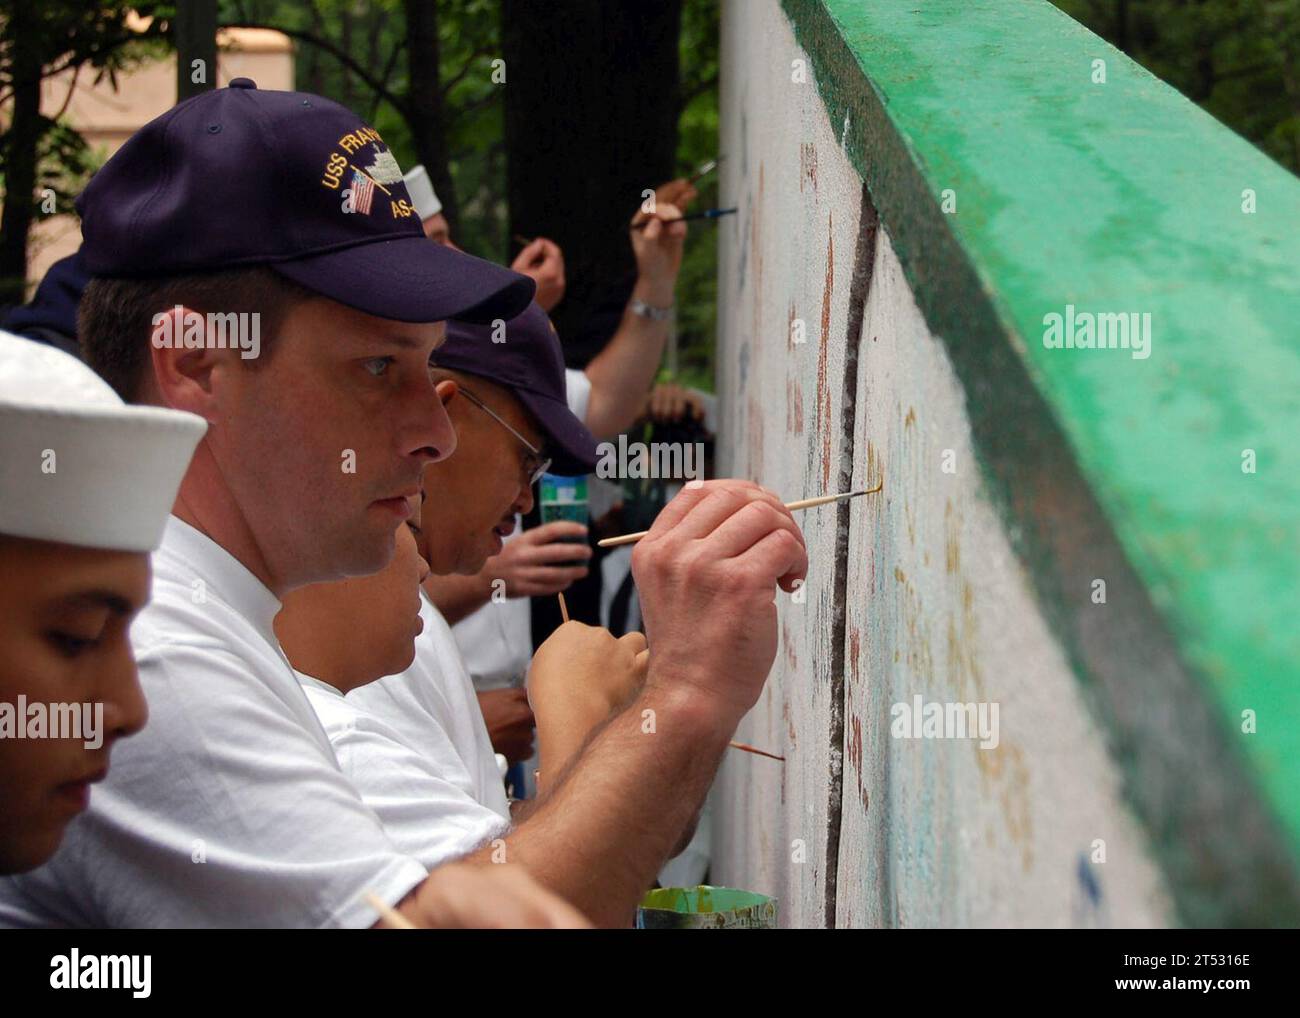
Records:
x=524, y=356
x=242, y=176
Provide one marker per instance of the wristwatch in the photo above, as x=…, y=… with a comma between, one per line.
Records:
x=640, y=307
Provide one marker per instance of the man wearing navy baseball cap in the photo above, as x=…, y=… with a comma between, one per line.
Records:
x=255, y=261
x=514, y=389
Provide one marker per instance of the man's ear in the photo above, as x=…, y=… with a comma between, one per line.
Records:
x=183, y=362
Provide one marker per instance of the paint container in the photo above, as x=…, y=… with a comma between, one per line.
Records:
x=705, y=908
x=565, y=498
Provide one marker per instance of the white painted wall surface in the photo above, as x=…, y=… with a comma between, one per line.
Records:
x=933, y=832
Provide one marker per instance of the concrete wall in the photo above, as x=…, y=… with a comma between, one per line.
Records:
x=831, y=378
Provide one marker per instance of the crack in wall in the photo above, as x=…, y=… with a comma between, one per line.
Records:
x=864, y=257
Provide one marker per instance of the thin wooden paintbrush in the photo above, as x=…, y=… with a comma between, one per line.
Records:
x=706, y=214
x=752, y=749
x=803, y=503
x=388, y=914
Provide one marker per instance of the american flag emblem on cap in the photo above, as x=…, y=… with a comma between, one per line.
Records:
x=363, y=193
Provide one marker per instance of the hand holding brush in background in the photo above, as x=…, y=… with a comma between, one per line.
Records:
x=577, y=679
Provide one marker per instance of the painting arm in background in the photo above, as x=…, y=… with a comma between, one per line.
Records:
x=622, y=373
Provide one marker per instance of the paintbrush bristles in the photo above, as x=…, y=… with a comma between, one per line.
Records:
x=803, y=503
x=808, y=503
x=754, y=749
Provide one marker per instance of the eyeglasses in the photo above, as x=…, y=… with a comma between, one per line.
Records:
x=543, y=462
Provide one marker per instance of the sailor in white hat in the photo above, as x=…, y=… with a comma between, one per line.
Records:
x=428, y=206
x=86, y=485
x=540, y=259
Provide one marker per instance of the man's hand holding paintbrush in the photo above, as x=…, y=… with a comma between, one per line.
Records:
x=707, y=574
x=657, y=243
x=613, y=671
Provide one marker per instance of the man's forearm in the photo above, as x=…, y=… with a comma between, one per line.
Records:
x=603, y=832
x=622, y=373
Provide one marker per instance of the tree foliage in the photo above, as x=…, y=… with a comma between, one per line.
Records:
x=38, y=150
x=1238, y=59
x=358, y=52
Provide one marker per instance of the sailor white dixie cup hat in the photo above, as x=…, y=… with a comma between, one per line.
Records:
x=420, y=188
x=79, y=466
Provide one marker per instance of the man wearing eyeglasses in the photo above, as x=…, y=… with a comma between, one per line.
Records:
x=501, y=370
x=490, y=609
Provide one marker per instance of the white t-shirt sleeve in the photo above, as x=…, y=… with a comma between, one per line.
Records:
x=577, y=392
x=226, y=811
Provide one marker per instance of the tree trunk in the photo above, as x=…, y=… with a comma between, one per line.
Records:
x=590, y=121
x=22, y=142
x=424, y=107
x=196, y=39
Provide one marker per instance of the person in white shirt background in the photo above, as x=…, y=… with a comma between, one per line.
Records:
x=511, y=423
x=420, y=765
x=74, y=578
x=490, y=609
x=512, y=404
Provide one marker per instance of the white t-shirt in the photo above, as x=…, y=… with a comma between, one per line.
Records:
x=417, y=749
x=496, y=641
x=229, y=809
x=437, y=685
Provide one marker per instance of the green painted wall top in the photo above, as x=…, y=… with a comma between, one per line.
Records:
x=1081, y=189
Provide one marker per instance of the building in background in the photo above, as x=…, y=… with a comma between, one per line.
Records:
x=106, y=117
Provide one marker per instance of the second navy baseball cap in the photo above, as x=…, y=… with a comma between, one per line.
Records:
x=242, y=176
x=524, y=356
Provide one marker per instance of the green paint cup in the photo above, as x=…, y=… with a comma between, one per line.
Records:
x=705, y=908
